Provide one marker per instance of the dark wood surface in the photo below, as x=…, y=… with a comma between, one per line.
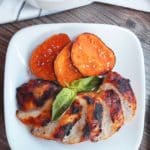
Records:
x=138, y=22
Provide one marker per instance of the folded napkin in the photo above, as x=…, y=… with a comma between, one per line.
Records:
x=15, y=10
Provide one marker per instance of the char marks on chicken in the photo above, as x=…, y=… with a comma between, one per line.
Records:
x=35, y=101
x=93, y=116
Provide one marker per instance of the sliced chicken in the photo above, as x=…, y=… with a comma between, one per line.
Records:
x=38, y=117
x=76, y=132
x=34, y=100
x=93, y=115
x=123, y=88
x=113, y=117
x=89, y=124
x=59, y=129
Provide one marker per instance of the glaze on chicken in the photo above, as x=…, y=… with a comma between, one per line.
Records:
x=93, y=115
x=34, y=101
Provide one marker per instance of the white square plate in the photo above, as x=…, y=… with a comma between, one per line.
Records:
x=130, y=64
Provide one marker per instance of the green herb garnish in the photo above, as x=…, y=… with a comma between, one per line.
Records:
x=85, y=84
x=63, y=100
x=67, y=95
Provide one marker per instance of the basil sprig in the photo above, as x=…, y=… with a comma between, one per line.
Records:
x=63, y=100
x=67, y=95
x=85, y=84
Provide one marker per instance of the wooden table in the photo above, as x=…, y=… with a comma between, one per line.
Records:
x=138, y=22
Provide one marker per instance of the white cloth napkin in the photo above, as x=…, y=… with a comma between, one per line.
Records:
x=15, y=10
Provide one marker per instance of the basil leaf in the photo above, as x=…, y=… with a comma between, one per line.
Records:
x=63, y=100
x=85, y=84
x=67, y=95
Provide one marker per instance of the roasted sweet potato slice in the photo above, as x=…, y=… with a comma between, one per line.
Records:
x=42, y=59
x=64, y=69
x=91, y=56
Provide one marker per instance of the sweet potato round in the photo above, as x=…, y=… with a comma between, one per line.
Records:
x=91, y=56
x=64, y=69
x=42, y=59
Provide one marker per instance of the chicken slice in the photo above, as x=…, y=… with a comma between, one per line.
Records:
x=123, y=88
x=57, y=130
x=76, y=132
x=113, y=102
x=38, y=117
x=93, y=117
x=33, y=94
x=35, y=99
x=113, y=117
x=106, y=126
x=89, y=125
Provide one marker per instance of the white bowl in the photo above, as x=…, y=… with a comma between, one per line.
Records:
x=130, y=64
x=52, y=4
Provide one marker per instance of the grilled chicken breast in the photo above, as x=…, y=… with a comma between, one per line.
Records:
x=93, y=115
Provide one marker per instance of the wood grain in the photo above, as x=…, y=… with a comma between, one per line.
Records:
x=138, y=22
